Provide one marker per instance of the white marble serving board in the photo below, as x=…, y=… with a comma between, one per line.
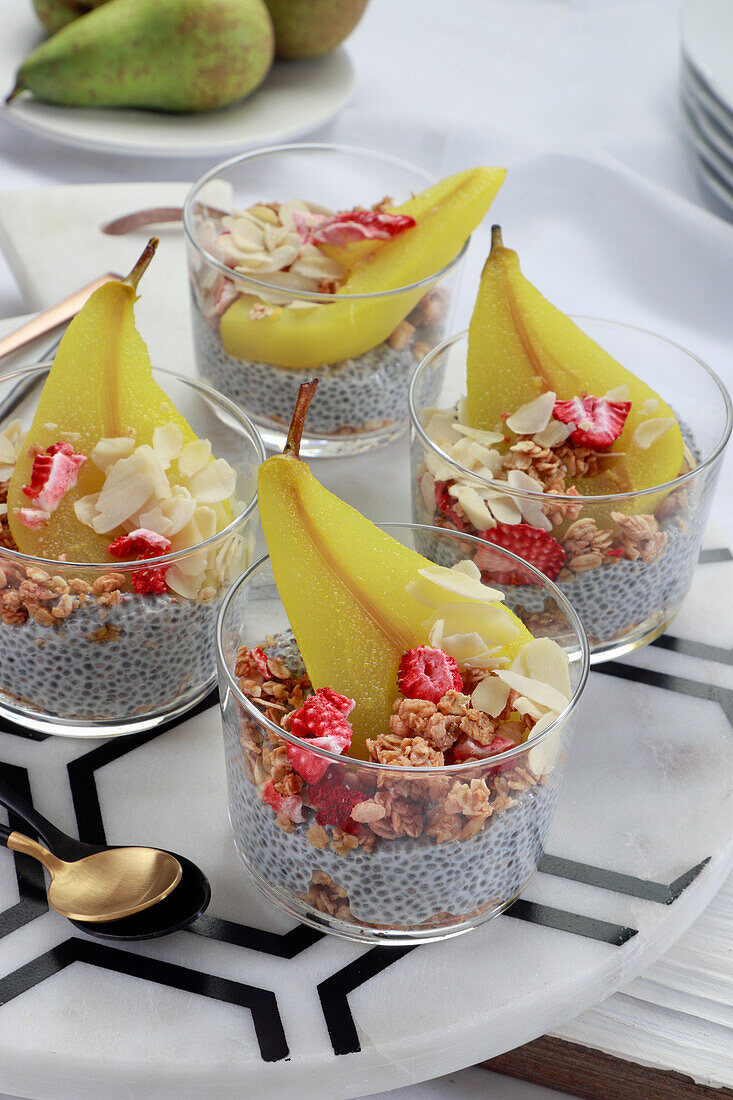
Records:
x=247, y=1002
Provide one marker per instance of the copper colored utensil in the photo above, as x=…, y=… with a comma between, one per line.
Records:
x=51, y=318
x=155, y=215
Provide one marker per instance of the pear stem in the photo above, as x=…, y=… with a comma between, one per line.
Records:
x=306, y=394
x=15, y=92
x=496, y=241
x=142, y=264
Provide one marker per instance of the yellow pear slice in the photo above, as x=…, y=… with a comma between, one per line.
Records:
x=520, y=346
x=100, y=387
x=344, y=584
x=446, y=214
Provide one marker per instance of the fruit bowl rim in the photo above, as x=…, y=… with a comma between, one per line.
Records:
x=512, y=491
x=314, y=295
x=452, y=769
x=22, y=374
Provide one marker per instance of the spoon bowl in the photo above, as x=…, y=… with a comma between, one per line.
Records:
x=105, y=885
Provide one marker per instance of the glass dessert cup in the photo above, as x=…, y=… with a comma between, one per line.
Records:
x=629, y=558
x=362, y=394
x=434, y=872
x=84, y=655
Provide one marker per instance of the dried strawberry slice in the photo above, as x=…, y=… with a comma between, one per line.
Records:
x=144, y=543
x=54, y=472
x=334, y=803
x=598, y=422
x=427, y=673
x=445, y=503
x=533, y=544
x=359, y=225
x=321, y=722
x=291, y=806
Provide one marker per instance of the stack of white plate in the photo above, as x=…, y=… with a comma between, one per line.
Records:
x=706, y=89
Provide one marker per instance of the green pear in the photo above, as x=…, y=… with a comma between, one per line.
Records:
x=310, y=28
x=168, y=55
x=55, y=14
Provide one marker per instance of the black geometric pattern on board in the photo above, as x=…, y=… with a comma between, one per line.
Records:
x=262, y=1003
x=333, y=991
x=716, y=554
x=28, y=872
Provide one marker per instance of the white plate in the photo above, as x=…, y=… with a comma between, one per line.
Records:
x=707, y=42
x=296, y=98
x=707, y=137
x=705, y=99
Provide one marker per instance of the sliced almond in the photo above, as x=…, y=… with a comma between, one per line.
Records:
x=490, y=696
x=649, y=431
x=486, y=439
x=534, y=416
x=108, y=451
x=542, y=758
x=531, y=509
x=535, y=690
x=544, y=660
x=503, y=508
x=129, y=484
x=167, y=444
x=474, y=508
x=214, y=483
x=457, y=584
x=618, y=393
x=194, y=456
x=554, y=434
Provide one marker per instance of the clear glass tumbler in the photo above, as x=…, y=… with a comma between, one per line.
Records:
x=258, y=336
x=629, y=558
x=462, y=841
x=81, y=652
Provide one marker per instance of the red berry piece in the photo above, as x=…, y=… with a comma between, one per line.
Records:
x=149, y=582
x=598, y=422
x=446, y=504
x=427, y=673
x=533, y=544
x=259, y=657
x=358, y=225
x=54, y=472
x=292, y=806
x=468, y=749
x=322, y=723
x=143, y=543
x=334, y=803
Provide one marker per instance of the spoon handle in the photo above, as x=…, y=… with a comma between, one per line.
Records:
x=64, y=846
x=4, y=834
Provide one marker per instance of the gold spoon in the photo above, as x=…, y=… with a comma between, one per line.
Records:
x=103, y=886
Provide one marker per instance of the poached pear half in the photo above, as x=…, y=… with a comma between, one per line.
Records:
x=346, y=587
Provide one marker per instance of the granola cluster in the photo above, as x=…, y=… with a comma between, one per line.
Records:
x=361, y=808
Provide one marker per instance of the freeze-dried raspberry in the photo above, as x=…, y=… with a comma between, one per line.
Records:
x=598, y=422
x=149, y=581
x=427, y=673
x=321, y=722
x=322, y=713
x=54, y=472
x=259, y=657
x=291, y=806
x=356, y=225
x=34, y=518
x=143, y=543
x=334, y=803
x=446, y=504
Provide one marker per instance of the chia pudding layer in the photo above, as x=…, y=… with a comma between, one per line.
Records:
x=147, y=653
x=363, y=394
x=401, y=879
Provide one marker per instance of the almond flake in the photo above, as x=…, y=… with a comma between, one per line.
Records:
x=167, y=444
x=214, y=484
x=535, y=690
x=531, y=510
x=503, y=508
x=555, y=433
x=619, y=393
x=649, y=431
x=108, y=451
x=486, y=439
x=490, y=696
x=194, y=456
x=474, y=508
x=534, y=416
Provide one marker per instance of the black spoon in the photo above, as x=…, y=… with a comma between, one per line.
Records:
x=180, y=908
